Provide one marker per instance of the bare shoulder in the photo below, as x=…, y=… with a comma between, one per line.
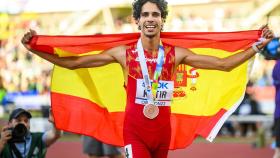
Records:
x=116, y=51
x=182, y=51
x=181, y=54
x=179, y=49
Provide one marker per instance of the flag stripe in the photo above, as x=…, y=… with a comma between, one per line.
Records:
x=82, y=116
x=190, y=127
x=90, y=119
x=84, y=44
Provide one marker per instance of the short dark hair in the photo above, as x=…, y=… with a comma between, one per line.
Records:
x=161, y=4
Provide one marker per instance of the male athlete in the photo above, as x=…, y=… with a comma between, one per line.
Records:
x=147, y=126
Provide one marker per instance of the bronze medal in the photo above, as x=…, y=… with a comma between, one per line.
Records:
x=151, y=111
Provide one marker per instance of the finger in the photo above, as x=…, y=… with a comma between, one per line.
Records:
x=29, y=35
x=50, y=120
x=32, y=32
x=263, y=26
x=269, y=34
x=7, y=136
x=5, y=128
x=265, y=33
x=264, y=30
x=26, y=38
x=22, y=40
x=7, y=133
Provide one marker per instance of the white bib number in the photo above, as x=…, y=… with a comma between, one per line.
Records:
x=163, y=96
x=128, y=151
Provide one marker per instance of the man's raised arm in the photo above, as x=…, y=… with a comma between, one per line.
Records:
x=223, y=64
x=113, y=55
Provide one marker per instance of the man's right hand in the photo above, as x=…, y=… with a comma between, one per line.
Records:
x=5, y=135
x=27, y=37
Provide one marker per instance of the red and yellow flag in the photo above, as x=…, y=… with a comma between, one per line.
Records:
x=92, y=101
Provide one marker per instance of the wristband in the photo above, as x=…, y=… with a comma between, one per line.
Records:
x=254, y=46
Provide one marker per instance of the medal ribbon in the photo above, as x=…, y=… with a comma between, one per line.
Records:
x=151, y=87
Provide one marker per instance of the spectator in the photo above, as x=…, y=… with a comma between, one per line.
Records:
x=276, y=79
x=249, y=106
x=17, y=140
x=96, y=149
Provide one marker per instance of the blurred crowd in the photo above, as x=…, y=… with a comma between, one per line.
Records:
x=20, y=72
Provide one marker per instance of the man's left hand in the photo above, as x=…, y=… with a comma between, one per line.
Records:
x=267, y=35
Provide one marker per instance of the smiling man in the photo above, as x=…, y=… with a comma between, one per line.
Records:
x=147, y=65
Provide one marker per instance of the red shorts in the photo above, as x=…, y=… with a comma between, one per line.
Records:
x=145, y=138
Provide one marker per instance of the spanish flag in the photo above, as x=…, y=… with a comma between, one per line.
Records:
x=91, y=101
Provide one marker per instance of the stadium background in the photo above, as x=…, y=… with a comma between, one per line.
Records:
x=25, y=78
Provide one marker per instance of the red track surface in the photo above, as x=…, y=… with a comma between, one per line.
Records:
x=197, y=150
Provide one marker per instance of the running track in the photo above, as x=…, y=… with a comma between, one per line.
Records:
x=73, y=149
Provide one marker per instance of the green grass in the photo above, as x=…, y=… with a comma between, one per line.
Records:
x=68, y=137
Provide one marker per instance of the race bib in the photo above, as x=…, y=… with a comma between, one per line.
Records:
x=128, y=151
x=163, y=96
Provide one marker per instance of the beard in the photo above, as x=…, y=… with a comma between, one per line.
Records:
x=150, y=36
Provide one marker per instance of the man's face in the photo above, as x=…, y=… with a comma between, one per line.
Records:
x=150, y=20
x=21, y=119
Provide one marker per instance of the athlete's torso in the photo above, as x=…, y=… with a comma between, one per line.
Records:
x=134, y=111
